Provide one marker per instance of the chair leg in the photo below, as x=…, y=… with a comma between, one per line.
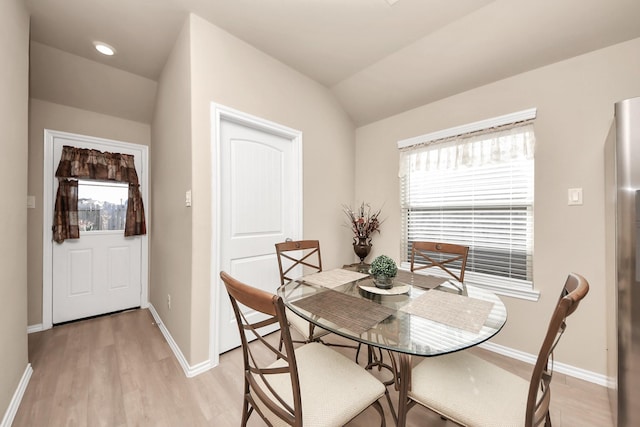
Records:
x=377, y=360
x=378, y=407
x=246, y=412
x=369, y=354
x=394, y=414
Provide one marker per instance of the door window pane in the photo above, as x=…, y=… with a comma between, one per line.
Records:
x=102, y=205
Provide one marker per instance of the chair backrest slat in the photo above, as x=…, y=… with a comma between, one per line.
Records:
x=442, y=255
x=539, y=397
x=291, y=254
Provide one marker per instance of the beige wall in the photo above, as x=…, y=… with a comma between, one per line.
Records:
x=14, y=72
x=611, y=294
x=227, y=71
x=64, y=78
x=46, y=115
x=232, y=73
x=575, y=101
x=171, y=231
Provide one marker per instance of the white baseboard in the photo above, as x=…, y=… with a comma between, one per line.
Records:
x=12, y=410
x=35, y=328
x=562, y=368
x=189, y=371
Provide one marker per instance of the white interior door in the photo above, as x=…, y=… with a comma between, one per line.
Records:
x=101, y=272
x=260, y=205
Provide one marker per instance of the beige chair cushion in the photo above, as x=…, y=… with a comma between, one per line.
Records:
x=302, y=326
x=470, y=390
x=334, y=389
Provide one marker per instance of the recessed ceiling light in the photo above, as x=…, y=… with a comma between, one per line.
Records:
x=104, y=48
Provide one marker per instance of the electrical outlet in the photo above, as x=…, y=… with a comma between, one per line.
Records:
x=169, y=301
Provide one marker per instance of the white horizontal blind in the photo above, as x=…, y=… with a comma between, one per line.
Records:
x=478, y=191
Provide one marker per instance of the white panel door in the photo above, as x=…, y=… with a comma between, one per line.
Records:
x=101, y=271
x=260, y=206
x=96, y=274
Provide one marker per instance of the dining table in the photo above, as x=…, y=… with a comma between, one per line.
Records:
x=421, y=315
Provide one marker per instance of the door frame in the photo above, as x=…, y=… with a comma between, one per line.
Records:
x=221, y=113
x=47, y=216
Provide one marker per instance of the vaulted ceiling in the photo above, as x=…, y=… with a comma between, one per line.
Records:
x=379, y=57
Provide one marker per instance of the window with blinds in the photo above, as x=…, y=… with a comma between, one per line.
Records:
x=477, y=190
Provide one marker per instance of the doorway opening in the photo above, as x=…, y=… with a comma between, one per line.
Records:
x=257, y=183
x=102, y=258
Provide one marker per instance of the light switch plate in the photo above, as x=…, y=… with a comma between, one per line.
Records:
x=187, y=198
x=31, y=202
x=575, y=196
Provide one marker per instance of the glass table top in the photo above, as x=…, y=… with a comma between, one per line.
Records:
x=408, y=318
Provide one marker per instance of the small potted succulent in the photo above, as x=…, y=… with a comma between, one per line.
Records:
x=383, y=270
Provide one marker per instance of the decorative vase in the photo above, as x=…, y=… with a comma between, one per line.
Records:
x=383, y=282
x=362, y=247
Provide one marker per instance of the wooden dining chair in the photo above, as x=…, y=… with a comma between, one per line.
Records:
x=443, y=255
x=311, y=385
x=292, y=256
x=474, y=392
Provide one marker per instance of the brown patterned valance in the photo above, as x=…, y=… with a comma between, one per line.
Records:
x=93, y=164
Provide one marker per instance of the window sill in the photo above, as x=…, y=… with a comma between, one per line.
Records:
x=500, y=286
x=519, y=292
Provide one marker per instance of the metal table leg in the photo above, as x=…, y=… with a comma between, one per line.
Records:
x=403, y=388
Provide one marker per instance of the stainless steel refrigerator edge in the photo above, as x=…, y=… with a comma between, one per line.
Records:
x=627, y=164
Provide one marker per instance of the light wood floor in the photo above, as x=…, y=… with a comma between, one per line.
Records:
x=118, y=371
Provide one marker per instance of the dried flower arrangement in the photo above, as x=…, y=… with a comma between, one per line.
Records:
x=363, y=222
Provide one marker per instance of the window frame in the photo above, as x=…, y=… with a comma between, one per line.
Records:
x=522, y=289
x=109, y=184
